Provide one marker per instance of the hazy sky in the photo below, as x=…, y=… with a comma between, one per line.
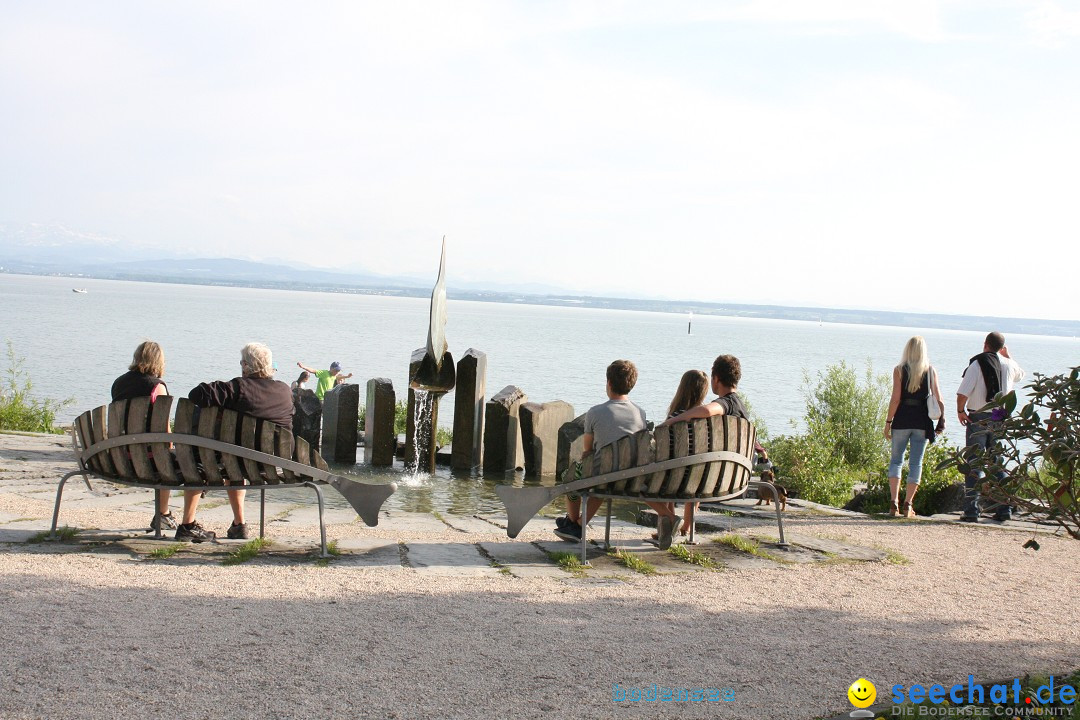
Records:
x=906, y=154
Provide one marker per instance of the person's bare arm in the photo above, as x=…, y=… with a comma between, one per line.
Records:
x=305, y=368
x=961, y=409
x=694, y=413
x=586, y=443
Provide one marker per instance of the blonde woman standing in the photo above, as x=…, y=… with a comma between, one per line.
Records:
x=908, y=421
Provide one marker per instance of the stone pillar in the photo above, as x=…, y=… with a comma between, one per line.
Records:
x=307, y=416
x=380, y=441
x=571, y=444
x=469, y=410
x=341, y=413
x=502, y=431
x=540, y=425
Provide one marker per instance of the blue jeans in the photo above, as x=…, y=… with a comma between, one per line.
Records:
x=900, y=439
x=980, y=433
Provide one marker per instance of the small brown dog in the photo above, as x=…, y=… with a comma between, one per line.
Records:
x=781, y=491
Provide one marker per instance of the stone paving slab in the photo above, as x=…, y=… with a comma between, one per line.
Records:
x=836, y=548
x=369, y=553
x=600, y=565
x=8, y=517
x=523, y=559
x=409, y=522
x=470, y=524
x=449, y=559
x=310, y=516
x=23, y=530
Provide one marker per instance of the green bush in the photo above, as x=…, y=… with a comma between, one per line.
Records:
x=842, y=444
x=19, y=410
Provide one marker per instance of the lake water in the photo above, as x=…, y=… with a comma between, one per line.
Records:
x=76, y=344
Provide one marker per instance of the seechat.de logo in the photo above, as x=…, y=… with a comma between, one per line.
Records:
x=862, y=694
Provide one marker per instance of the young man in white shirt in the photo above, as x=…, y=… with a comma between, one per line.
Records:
x=991, y=373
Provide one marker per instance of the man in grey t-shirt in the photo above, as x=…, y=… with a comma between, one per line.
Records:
x=604, y=424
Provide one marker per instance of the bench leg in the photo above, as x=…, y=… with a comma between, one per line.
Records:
x=779, y=518
x=262, y=512
x=322, y=524
x=607, y=527
x=157, y=504
x=59, y=494
x=584, y=528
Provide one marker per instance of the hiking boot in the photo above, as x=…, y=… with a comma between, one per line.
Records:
x=163, y=522
x=238, y=532
x=969, y=518
x=571, y=532
x=194, y=533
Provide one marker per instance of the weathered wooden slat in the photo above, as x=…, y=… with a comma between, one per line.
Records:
x=663, y=452
x=301, y=450
x=248, y=426
x=699, y=436
x=138, y=421
x=227, y=432
x=625, y=449
x=604, y=462
x=185, y=455
x=161, y=452
x=208, y=428
x=84, y=432
x=729, y=433
x=99, y=428
x=712, y=471
x=317, y=460
x=674, y=480
x=645, y=455
x=268, y=444
x=118, y=427
x=285, y=450
x=587, y=465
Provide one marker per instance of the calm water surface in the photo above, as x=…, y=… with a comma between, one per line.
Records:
x=76, y=344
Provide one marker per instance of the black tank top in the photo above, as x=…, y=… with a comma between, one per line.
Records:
x=912, y=413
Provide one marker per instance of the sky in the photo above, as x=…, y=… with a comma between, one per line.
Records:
x=913, y=155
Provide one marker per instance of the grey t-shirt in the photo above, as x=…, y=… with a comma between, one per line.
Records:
x=612, y=420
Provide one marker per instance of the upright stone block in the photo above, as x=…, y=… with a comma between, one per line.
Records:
x=502, y=431
x=307, y=416
x=380, y=440
x=540, y=425
x=571, y=444
x=469, y=410
x=341, y=413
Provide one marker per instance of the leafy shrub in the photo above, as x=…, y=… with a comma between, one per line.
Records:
x=842, y=444
x=19, y=410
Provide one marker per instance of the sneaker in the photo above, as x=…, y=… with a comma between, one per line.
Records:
x=163, y=522
x=561, y=522
x=238, y=532
x=194, y=533
x=1003, y=517
x=571, y=532
x=969, y=518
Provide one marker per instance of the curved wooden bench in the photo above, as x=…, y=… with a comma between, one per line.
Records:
x=705, y=460
x=129, y=442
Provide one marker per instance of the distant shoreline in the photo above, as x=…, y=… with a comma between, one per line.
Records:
x=1025, y=326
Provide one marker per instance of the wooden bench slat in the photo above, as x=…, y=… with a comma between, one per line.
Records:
x=301, y=450
x=99, y=427
x=228, y=432
x=268, y=445
x=285, y=449
x=604, y=462
x=673, y=482
x=699, y=444
x=663, y=452
x=712, y=471
x=208, y=428
x=118, y=427
x=317, y=461
x=138, y=421
x=84, y=433
x=625, y=452
x=185, y=455
x=162, y=453
x=247, y=439
x=645, y=455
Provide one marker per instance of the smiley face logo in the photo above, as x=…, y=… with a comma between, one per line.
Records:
x=862, y=693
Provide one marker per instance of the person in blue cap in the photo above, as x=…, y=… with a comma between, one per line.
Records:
x=325, y=378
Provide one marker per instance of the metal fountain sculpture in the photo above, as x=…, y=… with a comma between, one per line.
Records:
x=431, y=375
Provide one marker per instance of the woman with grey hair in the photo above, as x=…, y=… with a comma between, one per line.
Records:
x=255, y=393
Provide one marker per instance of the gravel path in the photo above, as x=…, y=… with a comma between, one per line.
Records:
x=91, y=632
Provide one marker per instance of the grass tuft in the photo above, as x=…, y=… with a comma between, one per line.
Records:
x=694, y=558
x=747, y=545
x=632, y=561
x=569, y=562
x=164, y=553
x=892, y=556
x=62, y=535
x=245, y=552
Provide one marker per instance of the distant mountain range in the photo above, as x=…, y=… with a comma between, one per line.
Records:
x=54, y=250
